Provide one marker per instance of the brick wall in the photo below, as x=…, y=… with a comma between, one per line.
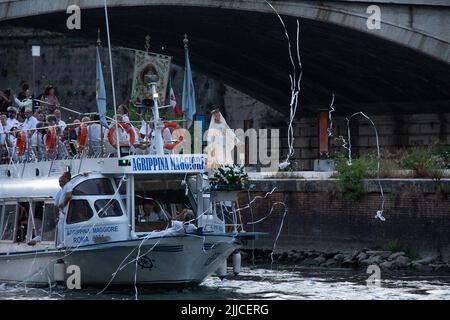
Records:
x=319, y=217
x=395, y=131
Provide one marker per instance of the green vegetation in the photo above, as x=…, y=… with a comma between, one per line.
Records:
x=350, y=175
x=395, y=246
x=443, y=151
x=424, y=163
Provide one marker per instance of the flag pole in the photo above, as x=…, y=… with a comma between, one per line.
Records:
x=186, y=48
x=102, y=148
x=112, y=80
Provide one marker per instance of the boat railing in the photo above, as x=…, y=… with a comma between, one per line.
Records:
x=69, y=147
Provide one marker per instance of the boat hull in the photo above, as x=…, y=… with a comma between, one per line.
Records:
x=180, y=260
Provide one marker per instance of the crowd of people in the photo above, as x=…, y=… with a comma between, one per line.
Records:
x=32, y=129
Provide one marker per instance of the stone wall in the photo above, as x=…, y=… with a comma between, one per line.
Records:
x=69, y=65
x=394, y=132
x=319, y=218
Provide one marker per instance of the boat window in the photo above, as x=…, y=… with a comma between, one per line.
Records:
x=35, y=220
x=157, y=202
x=22, y=223
x=151, y=216
x=79, y=211
x=9, y=219
x=171, y=202
x=48, y=223
x=108, y=208
x=94, y=187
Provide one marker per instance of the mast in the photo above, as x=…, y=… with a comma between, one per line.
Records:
x=159, y=145
x=112, y=80
x=152, y=81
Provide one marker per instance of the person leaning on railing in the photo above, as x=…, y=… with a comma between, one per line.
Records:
x=11, y=140
x=72, y=136
x=39, y=149
x=95, y=134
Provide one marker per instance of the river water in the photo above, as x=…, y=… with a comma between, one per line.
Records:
x=278, y=283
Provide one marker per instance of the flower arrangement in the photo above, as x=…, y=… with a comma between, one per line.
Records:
x=230, y=177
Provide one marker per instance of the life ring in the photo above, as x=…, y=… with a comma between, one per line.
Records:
x=21, y=143
x=82, y=137
x=51, y=140
x=173, y=128
x=128, y=129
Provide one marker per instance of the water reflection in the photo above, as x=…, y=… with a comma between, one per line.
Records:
x=261, y=283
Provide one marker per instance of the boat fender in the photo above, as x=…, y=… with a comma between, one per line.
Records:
x=51, y=139
x=21, y=143
x=236, y=262
x=82, y=137
x=59, y=271
x=222, y=270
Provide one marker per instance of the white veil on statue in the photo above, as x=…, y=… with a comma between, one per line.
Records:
x=221, y=142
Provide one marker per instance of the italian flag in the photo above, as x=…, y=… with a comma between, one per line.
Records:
x=173, y=101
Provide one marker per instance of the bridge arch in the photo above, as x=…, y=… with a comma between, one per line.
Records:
x=409, y=25
x=398, y=68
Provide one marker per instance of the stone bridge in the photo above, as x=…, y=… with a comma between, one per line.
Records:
x=404, y=66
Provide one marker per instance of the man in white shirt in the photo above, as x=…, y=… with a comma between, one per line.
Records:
x=59, y=122
x=12, y=119
x=153, y=215
x=60, y=127
x=146, y=129
x=27, y=102
x=29, y=126
x=167, y=136
x=62, y=199
x=30, y=120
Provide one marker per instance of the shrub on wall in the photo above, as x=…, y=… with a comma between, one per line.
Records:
x=350, y=174
x=424, y=163
x=443, y=151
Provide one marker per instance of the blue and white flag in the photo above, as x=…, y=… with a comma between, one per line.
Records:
x=188, y=101
x=100, y=92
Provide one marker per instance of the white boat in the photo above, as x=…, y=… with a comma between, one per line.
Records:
x=108, y=244
x=104, y=235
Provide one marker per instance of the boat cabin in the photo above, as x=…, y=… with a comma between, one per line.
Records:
x=118, y=204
